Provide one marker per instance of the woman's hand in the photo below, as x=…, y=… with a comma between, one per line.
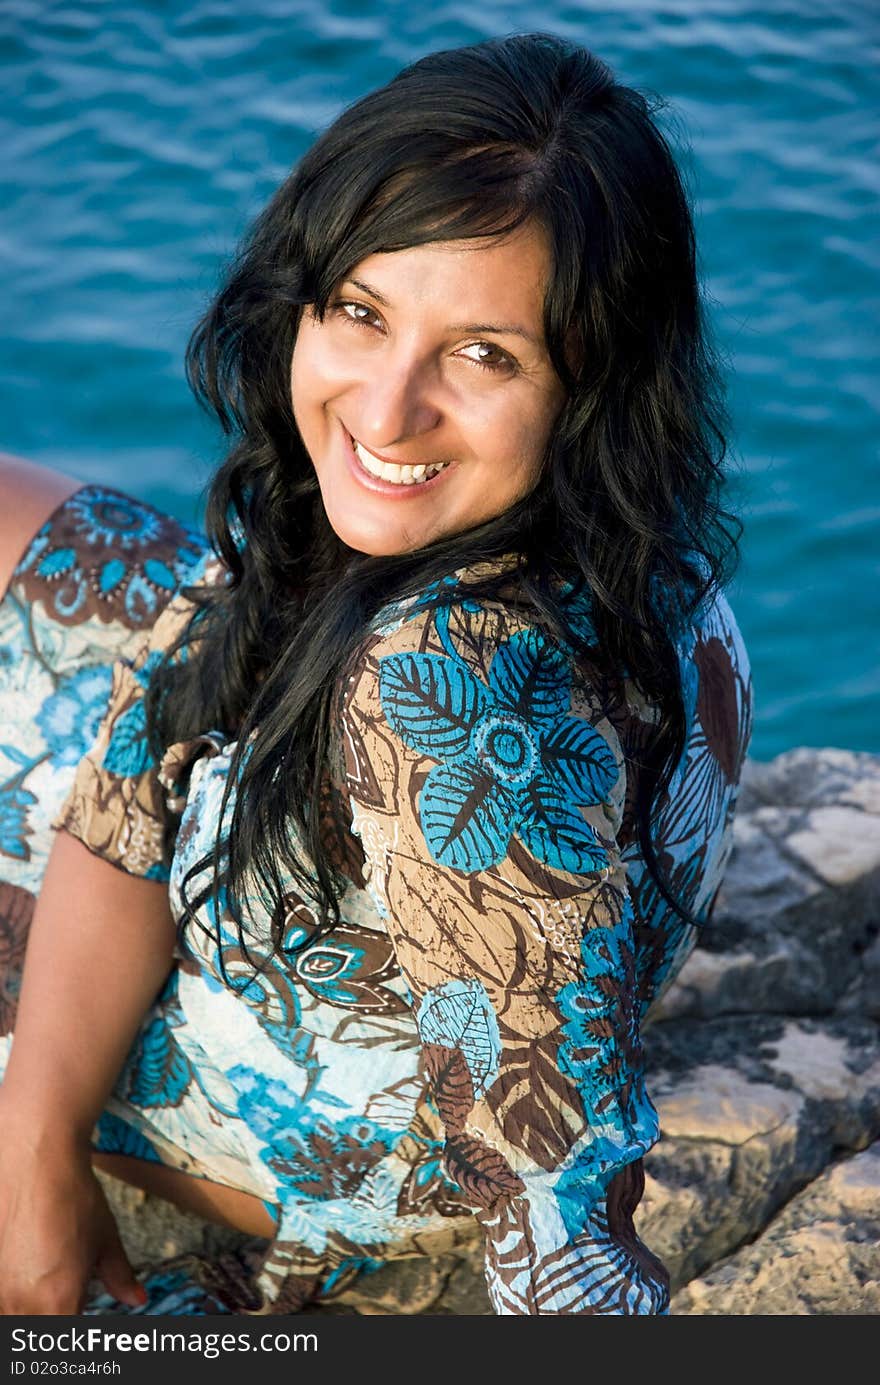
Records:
x=56, y=1229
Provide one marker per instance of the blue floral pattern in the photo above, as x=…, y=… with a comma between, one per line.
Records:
x=128, y=752
x=513, y=762
x=459, y=1016
x=14, y=829
x=70, y=718
x=108, y=555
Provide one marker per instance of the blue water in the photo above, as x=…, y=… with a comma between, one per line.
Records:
x=137, y=140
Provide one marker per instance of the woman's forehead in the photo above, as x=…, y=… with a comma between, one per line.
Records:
x=506, y=277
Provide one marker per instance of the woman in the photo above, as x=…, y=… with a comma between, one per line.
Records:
x=409, y=796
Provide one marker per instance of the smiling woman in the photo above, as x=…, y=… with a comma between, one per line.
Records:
x=410, y=783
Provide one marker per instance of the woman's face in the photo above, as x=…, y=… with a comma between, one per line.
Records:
x=426, y=397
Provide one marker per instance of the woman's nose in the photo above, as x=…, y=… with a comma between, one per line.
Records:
x=395, y=404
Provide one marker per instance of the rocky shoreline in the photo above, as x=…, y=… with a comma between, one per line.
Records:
x=763, y=1195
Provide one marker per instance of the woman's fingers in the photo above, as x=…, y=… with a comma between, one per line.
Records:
x=115, y=1273
x=111, y=1263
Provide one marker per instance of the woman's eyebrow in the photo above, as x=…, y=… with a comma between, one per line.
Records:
x=500, y=328
x=373, y=293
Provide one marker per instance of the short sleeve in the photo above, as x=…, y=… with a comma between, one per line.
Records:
x=487, y=790
x=118, y=805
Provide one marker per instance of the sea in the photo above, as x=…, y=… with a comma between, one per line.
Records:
x=139, y=140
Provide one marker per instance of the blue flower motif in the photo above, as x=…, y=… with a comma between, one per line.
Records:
x=459, y=1015
x=14, y=804
x=158, y=1071
x=128, y=751
x=314, y=1155
x=54, y=564
x=590, y=1004
x=601, y=1048
x=112, y=519
x=116, y=1136
x=512, y=760
x=70, y=718
x=325, y=1158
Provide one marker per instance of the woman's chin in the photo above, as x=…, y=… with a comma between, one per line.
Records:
x=375, y=540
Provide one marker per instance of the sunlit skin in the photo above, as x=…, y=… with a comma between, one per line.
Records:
x=430, y=354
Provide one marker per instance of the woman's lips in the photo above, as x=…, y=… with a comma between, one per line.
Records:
x=396, y=489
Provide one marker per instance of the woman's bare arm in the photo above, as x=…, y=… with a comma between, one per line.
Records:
x=100, y=948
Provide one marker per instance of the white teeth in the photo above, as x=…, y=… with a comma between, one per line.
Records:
x=369, y=462
x=390, y=471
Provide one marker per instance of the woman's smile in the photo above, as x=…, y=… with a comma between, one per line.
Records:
x=428, y=381
x=398, y=480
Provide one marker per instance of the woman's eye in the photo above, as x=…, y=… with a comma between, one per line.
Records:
x=357, y=312
x=489, y=356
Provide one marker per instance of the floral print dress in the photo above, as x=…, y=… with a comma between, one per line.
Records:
x=463, y=1051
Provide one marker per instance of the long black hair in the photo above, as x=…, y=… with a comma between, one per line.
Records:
x=471, y=142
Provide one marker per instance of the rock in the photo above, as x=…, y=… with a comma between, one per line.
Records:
x=795, y=928
x=450, y=1284
x=403, y=1287
x=465, y=1293
x=862, y=995
x=808, y=778
x=821, y=1254
x=748, y=1115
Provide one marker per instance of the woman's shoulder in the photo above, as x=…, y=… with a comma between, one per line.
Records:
x=463, y=718
x=454, y=657
x=469, y=619
x=209, y=572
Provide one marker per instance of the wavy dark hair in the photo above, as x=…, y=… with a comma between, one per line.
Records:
x=470, y=142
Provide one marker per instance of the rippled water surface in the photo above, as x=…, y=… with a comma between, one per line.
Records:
x=137, y=141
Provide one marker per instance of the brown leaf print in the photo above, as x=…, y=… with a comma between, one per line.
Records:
x=453, y=1088
x=326, y=1163
x=622, y=1197
x=635, y=736
x=483, y=1174
x=538, y=1108
x=348, y=968
x=476, y=635
x=269, y=991
x=16, y=912
x=8, y=1006
x=425, y=1190
x=343, y=849
x=542, y=880
x=716, y=703
x=358, y=726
